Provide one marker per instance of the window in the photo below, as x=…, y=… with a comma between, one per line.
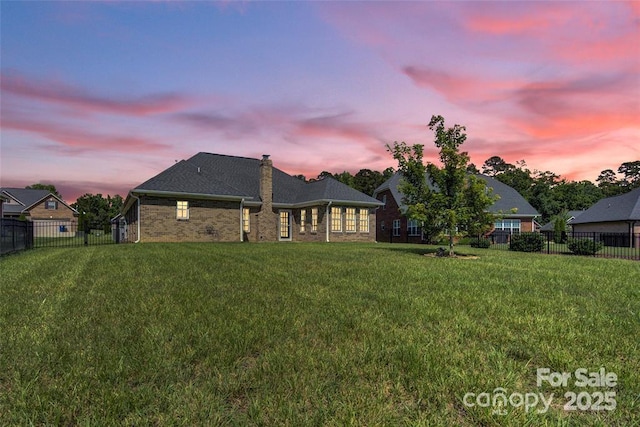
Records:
x=51, y=205
x=412, y=227
x=396, y=227
x=336, y=219
x=384, y=200
x=510, y=225
x=182, y=210
x=350, y=220
x=314, y=220
x=285, y=225
x=303, y=219
x=364, y=220
x=246, y=223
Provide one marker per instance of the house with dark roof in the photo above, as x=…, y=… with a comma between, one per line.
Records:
x=52, y=216
x=214, y=197
x=614, y=220
x=571, y=216
x=515, y=213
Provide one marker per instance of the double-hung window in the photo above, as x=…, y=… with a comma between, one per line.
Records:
x=350, y=220
x=303, y=219
x=412, y=227
x=336, y=219
x=182, y=210
x=396, y=227
x=314, y=220
x=364, y=220
x=246, y=223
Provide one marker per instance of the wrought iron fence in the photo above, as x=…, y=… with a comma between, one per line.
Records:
x=68, y=233
x=15, y=235
x=597, y=244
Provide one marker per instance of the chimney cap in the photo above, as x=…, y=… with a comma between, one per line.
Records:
x=265, y=157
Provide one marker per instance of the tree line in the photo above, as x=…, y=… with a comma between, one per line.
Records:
x=546, y=191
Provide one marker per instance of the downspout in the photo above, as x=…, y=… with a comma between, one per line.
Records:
x=139, y=219
x=328, y=219
x=241, y=219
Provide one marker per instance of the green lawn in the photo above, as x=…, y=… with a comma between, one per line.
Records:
x=309, y=334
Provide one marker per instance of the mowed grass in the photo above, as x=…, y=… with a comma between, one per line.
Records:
x=308, y=334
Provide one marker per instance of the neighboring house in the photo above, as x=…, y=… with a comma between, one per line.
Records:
x=213, y=197
x=614, y=220
x=2, y=200
x=51, y=216
x=571, y=216
x=515, y=213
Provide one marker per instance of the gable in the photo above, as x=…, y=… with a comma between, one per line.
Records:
x=510, y=200
x=624, y=207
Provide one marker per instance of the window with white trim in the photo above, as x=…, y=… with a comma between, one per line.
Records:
x=336, y=219
x=314, y=220
x=510, y=225
x=396, y=227
x=413, y=228
x=51, y=205
x=364, y=220
x=384, y=200
x=350, y=220
x=246, y=223
x=303, y=219
x=182, y=209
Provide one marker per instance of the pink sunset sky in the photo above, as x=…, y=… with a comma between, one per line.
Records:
x=99, y=97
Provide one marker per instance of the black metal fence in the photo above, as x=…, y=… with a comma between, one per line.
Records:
x=15, y=235
x=597, y=244
x=19, y=235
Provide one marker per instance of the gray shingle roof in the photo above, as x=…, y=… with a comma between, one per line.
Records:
x=27, y=197
x=572, y=215
x=625, y=207
x=509, y=200
x=230, y=176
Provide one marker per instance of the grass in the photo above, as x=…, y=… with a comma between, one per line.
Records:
x=308, y=334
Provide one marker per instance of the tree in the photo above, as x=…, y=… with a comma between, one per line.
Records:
x=455, y=201
x=495, y=165
x=631, y=172
x=301, y=177
x=96, y=211
x=49, y=187
x=366, y=181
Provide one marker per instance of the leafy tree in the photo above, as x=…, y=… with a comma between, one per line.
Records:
x=345, y=178
x=367, y=181
x=301, y=177
x=455, y=200
x=471, y=168
x=97, y=211
x=560, y=227
x=49, y=187
x=631, y=172
x=495, y=165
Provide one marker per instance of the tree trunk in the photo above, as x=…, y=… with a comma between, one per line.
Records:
x=451, y=253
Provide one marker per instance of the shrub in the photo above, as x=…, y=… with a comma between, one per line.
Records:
x=527, y=242
x=480, y=242
x=584, y=246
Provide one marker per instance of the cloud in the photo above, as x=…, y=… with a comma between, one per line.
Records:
x=76, y=140
x=58, y=93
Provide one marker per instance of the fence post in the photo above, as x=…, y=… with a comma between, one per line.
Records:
x=594, y=243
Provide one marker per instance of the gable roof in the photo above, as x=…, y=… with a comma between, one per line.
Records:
x=625, y=207
x=571, y=217
x=26, y=198
x=235, y=178
x=509, y=200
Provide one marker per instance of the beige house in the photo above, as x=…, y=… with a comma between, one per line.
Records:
x=614, y=220
x=51, y=216
x=213, y=197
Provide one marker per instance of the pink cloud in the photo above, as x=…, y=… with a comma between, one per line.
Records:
x=74, y=139
x=58, y=93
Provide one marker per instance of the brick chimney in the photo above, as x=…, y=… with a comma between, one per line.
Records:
x=266, y=182
x=267, y=221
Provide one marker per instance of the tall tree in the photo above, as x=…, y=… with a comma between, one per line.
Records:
x=495, y=165
x=367, y=180
x=96, y=211
x=455, y=200
x=49, y=187
x=631, y=172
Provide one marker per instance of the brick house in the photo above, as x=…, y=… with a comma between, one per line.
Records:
x=213, y=197
x=515, y=213
x=613, y=220
x=51, y=216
